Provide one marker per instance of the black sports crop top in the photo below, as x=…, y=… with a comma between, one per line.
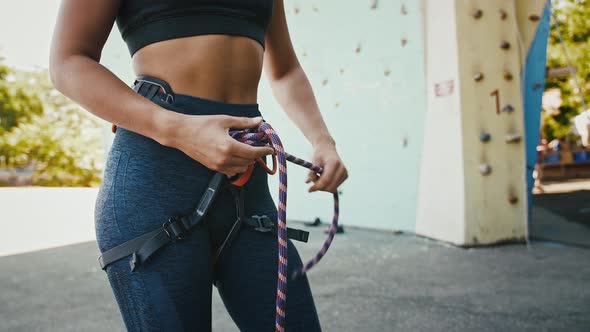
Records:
x=142, y=22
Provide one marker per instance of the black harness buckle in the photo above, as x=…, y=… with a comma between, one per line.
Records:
x=264, y=223
x=175, y=229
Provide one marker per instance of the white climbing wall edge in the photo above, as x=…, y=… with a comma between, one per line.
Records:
x=440, y=208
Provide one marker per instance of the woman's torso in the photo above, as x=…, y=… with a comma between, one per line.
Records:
x=210, y=49
x=220, y=67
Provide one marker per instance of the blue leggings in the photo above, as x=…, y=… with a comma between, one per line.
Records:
x=144, y=184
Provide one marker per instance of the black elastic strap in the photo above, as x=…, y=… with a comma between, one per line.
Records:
x=171, y=231
x=151, y=92
x=137, y=86
x=143, y=89
x=265, y=224
x=238, y=193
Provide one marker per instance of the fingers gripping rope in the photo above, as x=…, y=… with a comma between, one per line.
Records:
x=265, y=135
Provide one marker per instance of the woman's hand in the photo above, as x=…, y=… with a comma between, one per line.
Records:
x=335, y=172
x=205, y=138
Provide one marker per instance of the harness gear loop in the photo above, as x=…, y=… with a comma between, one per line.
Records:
x=244, y=177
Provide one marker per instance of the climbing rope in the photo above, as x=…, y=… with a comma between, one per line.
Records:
x=265, y=135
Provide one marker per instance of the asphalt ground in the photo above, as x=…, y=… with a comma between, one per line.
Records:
x=368, y=281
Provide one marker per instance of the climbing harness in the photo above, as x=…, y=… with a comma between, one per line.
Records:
x=178, y=227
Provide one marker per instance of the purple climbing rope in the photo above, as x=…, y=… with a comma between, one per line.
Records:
x=265, y=135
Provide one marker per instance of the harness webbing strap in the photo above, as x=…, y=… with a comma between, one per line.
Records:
x=265, y=224
x=174, y=229
x=238, y=193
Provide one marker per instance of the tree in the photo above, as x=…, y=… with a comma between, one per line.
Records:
x=47, y=132
x=16, y=105
x=574, y=25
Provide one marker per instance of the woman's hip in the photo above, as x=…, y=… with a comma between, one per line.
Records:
x=144, y=182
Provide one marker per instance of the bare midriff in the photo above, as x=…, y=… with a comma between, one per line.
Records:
x=219, y=67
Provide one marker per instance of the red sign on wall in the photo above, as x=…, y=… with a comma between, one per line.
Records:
x=444, y=88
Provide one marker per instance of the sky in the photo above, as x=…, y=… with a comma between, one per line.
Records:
x=25, y=39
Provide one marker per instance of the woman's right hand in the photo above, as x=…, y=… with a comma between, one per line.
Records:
x=205, y=138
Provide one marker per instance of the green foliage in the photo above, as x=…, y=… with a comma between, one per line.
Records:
x=574, y=25
x=16, y=105
x=47, y=132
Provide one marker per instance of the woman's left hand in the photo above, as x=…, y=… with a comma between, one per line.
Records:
x=334, y=173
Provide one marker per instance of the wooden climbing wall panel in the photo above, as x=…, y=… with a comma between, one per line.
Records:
x=491, y=42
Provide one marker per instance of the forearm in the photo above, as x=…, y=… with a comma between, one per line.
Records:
x=295, y=95
x=100, y=92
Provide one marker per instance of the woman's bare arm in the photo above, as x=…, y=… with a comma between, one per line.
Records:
x=293, y=91
x=289, y=82
x=81, y=31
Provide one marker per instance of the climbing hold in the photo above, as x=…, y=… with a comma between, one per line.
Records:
x=485, y=137
x=478, y=77
x=304, y=53
x=386, y=72
x=508, y=76
x=296, y=10
x=337, y=104
x=315, y=9
x=477, y=13
x=503, y=14
x=324, y=82
x=534, y=17
x=404, y=11
x=513, y=138
x=358, y=48
x=508, y=108
x=505, y=45
x=404, y=42
x=537, y=85
x=512, y=199
x=341, y=71
x=404, y=141
x=372, y=4
x=314, y=223
x=485, y=169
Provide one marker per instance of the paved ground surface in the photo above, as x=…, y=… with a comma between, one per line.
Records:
x=569, y=199
x=369, y=281
x=562, y=213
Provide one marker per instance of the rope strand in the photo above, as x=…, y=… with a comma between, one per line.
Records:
x=265, y=135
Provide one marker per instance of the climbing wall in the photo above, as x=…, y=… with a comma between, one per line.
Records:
x=365, y=62
x=424, y=100
x=488, y=41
